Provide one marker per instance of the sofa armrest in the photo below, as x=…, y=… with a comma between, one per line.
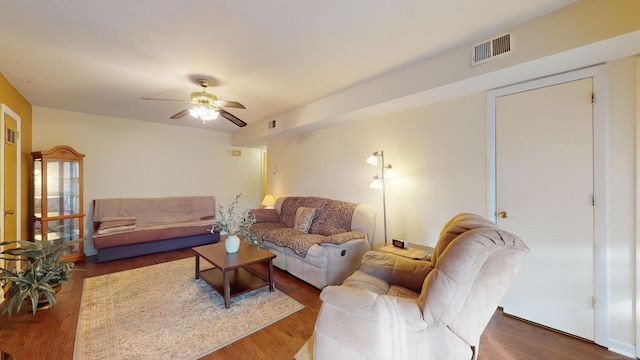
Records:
x=341, y=238
x=364, y=219
x=396, y=270
x=393, y=311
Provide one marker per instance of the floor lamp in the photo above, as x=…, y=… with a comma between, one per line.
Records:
x=378, y=183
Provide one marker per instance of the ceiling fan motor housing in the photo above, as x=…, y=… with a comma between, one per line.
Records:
x=201, y=97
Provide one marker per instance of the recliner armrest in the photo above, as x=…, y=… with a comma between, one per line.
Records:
x=396, y=270
x=392, y=311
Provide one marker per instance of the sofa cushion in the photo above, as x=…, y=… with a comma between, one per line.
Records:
x=300, y=244
x=291, y=204
x=123, y=238
x=265, y=215
x=334, y=218
x=304, y=219
x=262, y=228
x=293, y=239
x=152, y=212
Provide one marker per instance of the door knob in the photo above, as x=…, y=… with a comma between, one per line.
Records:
x=503, y=214
x=8, y=212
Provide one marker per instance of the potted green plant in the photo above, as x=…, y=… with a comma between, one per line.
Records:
x=234, y=223
x=40, y=277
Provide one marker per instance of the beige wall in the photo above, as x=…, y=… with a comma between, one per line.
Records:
x=438, y=146
x=17, y=103
x=129, y=158
x=437, y=151
x=585, y=33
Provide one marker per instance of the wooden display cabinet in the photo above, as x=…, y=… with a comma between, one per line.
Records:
x=58, y=212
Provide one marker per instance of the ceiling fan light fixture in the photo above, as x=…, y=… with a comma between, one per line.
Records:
x=203, y=112
x=207, y=107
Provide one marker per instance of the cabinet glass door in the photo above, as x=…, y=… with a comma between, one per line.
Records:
x=57, y=199
x=37, y=188
x=63, y=188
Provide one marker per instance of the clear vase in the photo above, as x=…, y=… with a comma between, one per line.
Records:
x=232, y=244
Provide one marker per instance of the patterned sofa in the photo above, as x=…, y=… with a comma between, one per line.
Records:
x=318, y=240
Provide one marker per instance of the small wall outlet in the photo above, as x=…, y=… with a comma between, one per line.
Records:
x=272, y=124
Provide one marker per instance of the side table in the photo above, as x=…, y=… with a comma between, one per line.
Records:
x=414, y=251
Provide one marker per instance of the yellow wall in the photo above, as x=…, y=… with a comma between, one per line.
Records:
x=14, y=100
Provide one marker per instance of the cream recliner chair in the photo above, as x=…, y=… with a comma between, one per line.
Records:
x=398, y=308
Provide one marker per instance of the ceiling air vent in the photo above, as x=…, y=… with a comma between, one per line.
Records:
x=488, y=50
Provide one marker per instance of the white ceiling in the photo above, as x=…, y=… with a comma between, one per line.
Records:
x=102, y=57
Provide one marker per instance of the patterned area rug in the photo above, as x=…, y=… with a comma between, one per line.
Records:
x=162, y=312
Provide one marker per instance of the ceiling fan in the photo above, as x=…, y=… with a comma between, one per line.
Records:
x=206, y=106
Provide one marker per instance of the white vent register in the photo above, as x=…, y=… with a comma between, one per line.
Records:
x=488, y=50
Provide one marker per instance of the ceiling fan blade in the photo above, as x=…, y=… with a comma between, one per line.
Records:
x=180, y=114
x=234, y=119
x=225, y=103
x=164, y=99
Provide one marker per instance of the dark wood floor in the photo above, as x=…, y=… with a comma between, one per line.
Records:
x=51, y=334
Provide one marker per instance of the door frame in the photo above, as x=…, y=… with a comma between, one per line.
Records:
x=600, y=121
x=636, y=303
x=4, y=109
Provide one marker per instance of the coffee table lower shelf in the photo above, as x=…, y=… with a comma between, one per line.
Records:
x=230, y=275
x=241, y=281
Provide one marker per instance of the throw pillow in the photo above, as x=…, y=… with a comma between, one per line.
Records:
x=117, y=218
x=304, y=218
x=266, y=215
x=115, y=224
x=116, y=229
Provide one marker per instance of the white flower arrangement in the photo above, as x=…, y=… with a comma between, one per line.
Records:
x=231, y=222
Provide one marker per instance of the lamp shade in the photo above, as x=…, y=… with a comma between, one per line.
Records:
x=268, y=201
x=376, y=183
x=389, y=172
x=372, y=160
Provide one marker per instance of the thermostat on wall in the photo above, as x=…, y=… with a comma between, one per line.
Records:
x=402, y=244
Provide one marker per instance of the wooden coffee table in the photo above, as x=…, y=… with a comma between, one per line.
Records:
x=229, y=276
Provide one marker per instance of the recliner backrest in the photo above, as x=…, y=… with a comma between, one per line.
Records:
x=456, y=226
x=473, y=268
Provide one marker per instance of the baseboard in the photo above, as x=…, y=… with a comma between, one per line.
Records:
x=622, y=348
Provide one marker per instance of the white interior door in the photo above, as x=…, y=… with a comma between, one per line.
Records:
x=544, y=190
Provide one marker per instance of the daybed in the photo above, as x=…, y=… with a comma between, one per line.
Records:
x=318, y=240
x=139, y=226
